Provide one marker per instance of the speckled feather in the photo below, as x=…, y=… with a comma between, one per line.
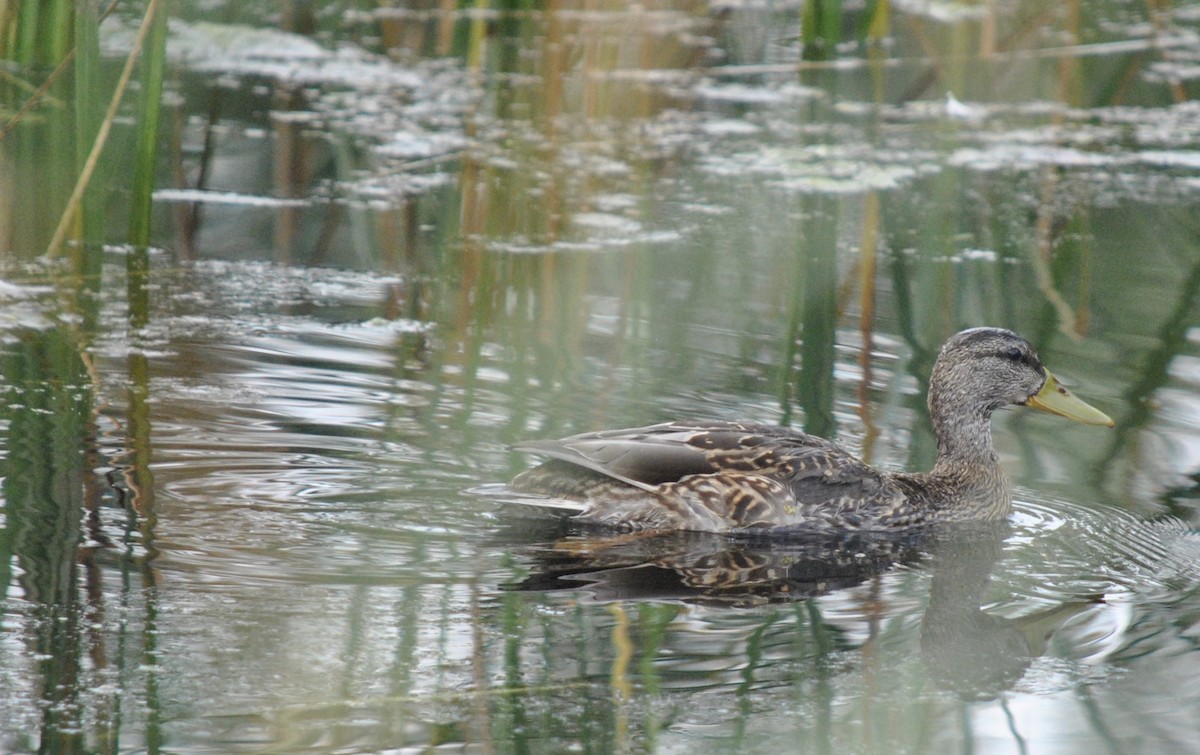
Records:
x=734, y=476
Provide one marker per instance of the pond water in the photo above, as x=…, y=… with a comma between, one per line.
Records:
x=261, y=509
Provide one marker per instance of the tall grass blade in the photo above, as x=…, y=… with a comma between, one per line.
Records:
x=145, y=162
x=149, y=111
x=88, y=115
x=93, y=158
x=26, y=42
x=56, y=29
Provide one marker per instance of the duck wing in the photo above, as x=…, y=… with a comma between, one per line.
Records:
x=641, y=456
x=647, y=457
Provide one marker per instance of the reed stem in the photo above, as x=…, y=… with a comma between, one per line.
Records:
x=93, y=158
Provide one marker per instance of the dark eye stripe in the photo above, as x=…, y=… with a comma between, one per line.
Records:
x=1015, y=354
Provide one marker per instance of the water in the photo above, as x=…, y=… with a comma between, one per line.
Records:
x=269, y=520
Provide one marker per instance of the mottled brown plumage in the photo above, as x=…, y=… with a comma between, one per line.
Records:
x=733, y=476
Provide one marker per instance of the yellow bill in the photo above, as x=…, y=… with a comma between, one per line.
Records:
x=1056, y=399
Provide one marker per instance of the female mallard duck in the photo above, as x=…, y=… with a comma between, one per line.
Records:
x=731, y=476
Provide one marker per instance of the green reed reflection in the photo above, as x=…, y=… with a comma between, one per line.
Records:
x=49, y=415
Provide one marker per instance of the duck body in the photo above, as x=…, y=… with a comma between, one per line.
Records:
x=733, y=476
x=742, y=477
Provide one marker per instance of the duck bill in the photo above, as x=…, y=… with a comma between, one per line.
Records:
x=1056, y=399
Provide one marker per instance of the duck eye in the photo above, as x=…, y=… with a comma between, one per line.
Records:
x=1013, y=353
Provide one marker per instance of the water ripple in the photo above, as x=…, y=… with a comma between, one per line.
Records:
x=1065, y=549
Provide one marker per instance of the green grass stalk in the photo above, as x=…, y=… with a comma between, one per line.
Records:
x=26, y=36
x=88, y=114
x=478, y=36
x=145, y=162
x=8, y=15
x=93, y=158
x=821, y=28
x=56, y=27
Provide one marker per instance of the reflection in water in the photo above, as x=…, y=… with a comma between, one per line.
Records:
x=48, y=412
x=975, y=654
x=67, y=516
x=716, y=569
x=970, y=651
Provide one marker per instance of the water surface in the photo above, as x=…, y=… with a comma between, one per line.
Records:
x=259, y=512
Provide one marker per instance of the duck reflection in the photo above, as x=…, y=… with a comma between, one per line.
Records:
x=966, y=650
x=715, y=569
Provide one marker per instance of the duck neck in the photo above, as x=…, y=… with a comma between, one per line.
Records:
x=964, y=441
x=962, y=421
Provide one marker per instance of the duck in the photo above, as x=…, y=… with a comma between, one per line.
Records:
x=731, y=477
